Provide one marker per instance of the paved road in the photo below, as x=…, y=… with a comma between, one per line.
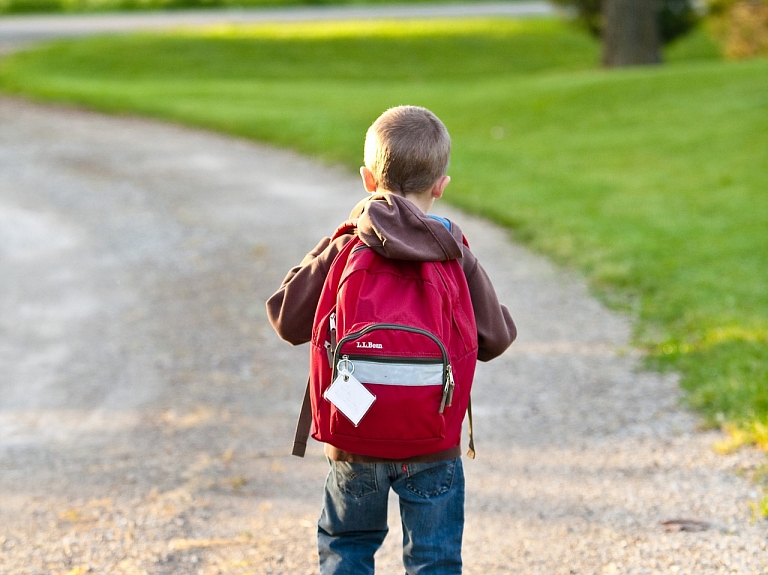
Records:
x=21, y=30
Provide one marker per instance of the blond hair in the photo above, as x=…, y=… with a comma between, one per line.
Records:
x=407, y=149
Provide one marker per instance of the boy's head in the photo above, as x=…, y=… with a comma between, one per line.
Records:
x=407, y=150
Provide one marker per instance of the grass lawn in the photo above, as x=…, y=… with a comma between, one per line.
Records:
x=653, y=182
x=42, y=6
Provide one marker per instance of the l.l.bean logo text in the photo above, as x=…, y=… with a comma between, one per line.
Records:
x=369, y=345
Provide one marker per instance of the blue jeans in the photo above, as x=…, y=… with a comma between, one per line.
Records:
x=353, y=523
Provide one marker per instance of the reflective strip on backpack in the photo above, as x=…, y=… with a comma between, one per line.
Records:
x=391, y=373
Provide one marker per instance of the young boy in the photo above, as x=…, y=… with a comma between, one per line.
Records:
x=406, y=158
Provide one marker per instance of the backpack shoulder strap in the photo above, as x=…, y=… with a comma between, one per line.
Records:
x=348, y=227
x=304, y=423
x=471, y=451
x=303, y=426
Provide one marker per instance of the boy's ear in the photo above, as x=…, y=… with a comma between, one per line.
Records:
x=439, y=187
x=369, y=182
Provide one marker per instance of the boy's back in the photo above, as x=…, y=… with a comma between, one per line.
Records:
x=405, y=329
x=406, y=155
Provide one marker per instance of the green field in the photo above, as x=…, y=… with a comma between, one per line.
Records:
x=653, y=182
x=72, y=6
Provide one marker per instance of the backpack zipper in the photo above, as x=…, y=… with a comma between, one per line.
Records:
x=448, y=382
x=330, y=343
x=398, y=360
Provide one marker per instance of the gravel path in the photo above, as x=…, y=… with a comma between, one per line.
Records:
x=146, y=407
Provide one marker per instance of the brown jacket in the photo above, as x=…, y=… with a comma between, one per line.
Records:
x=395, y=228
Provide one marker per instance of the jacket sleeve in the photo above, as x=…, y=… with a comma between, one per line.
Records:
x=495, y=329
x=291, y=309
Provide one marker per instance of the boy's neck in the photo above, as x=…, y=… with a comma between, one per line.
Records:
x=422, y=201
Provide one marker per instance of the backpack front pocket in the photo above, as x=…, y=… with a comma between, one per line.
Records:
x=407, y=405
x=406, y=368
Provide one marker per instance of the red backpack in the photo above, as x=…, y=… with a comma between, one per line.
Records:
x=393, y=355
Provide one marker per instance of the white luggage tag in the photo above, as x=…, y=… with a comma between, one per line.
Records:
x=349, y=395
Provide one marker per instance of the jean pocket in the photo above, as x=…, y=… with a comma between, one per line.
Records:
x=355, y=479
x=430, y=479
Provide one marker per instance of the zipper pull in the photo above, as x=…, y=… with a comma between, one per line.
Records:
x=447, y=389
x=330, y=345
x=345, y=368
x=451, y=385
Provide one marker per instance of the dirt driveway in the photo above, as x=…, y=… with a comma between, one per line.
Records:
x=146, y=407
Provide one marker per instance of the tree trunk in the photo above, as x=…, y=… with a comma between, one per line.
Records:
x=630, y=33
